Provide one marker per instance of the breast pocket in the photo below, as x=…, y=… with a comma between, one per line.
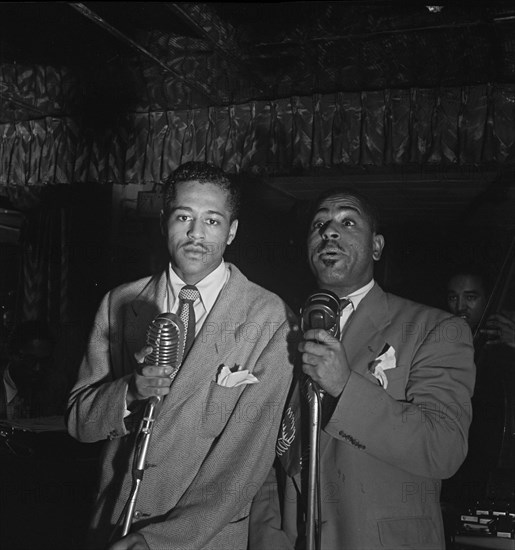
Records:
x=219, y=405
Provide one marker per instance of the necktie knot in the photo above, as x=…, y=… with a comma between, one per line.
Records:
x=189, y=293
x=344, y=302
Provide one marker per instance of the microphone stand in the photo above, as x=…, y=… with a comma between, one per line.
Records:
x=322, y=310
x=313, y=515
x=138, y=466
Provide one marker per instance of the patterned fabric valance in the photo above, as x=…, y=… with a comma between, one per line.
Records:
x=471, y=125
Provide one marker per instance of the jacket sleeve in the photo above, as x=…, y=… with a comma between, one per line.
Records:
x=426, y=433
x=96, y=405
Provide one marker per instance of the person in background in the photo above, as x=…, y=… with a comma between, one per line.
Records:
x=468, y=289
x=491, y=440
x=32, y=385
x=214, y=435
x=396, y=409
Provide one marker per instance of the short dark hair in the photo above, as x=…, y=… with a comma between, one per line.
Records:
x=471, y=269
x=203, y=172
x=370, y=209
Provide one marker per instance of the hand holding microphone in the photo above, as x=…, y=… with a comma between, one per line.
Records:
x=323, y=356
x=159, y=361
x=149, y=380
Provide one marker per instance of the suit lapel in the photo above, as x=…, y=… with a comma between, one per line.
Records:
x=217, y=336
x=149, y=302
x=363, y=336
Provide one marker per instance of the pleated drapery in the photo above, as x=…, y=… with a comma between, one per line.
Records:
x=470, y=125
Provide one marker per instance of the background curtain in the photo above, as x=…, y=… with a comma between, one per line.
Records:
x=465, y=126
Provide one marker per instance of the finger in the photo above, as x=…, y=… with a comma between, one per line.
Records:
x=153, y=371
x=308, y=359
x=311, y=372
x=497, y=317
x=155, y=382
x=145, y=390
x=140, y=355
x=319, y=335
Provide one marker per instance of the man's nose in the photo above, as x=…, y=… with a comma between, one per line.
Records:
x=330, y=230
x=196, y=229
x=460, y=304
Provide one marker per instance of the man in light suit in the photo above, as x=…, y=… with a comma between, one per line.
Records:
x=214, y=436
x=396, y=409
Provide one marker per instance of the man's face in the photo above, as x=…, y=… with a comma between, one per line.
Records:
x=197, y=229
x=29, y=365
x=466, y=298
x=342, y=247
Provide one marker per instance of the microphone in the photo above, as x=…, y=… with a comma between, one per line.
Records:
x=166, y=336
x=322, y=310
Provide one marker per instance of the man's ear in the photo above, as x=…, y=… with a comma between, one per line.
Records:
x=377, y=246
x=232, y=231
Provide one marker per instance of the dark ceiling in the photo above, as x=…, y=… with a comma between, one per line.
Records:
x=232, y=52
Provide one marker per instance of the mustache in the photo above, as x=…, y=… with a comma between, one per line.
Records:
x=202, y=247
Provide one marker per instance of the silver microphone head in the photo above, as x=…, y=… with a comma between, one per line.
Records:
x=322, y=310
x=166, y=336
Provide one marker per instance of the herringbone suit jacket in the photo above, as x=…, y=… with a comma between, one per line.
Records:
x=212, y=446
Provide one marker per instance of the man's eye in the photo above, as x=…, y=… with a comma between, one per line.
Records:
x=211, y=221
x=348, y=223
x=318, y=224
x=183, y=217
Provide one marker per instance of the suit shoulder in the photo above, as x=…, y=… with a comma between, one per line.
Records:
x=411, y=309
x=131, y=288
x=258, y=298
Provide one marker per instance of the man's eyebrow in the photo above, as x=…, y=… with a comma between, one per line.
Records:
x=189, y=209
x=179, y=207
x=217, y=213
x=325, y=209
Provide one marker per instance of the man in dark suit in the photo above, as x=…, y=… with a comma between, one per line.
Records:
x=214, y=436
x=397, y=410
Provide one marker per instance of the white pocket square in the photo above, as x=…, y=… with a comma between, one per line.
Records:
x=384, y=362
x=233, y=378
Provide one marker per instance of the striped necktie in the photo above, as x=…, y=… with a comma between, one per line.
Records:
x=187, y=297
x=290, y=448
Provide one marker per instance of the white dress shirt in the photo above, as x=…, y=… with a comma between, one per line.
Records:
x=354, y=298
x=209, y=288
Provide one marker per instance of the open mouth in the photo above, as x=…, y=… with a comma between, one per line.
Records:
x=330, y=254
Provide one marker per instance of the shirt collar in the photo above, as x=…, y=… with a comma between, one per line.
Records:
x=209, y=287
x=10, y=387
x=358, y=295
